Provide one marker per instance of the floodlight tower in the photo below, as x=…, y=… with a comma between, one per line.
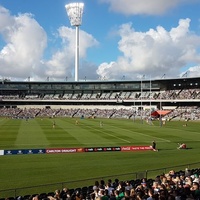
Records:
x=74, y=12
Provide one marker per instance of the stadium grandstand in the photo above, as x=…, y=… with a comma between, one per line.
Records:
x=172, y=97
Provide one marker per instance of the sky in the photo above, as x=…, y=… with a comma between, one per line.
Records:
x=118, y=40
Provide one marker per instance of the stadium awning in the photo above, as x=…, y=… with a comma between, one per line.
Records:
x=160, y=112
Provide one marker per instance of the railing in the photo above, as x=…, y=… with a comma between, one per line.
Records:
x=15, y=192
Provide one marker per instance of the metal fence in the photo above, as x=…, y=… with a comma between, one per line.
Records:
x=15, y=192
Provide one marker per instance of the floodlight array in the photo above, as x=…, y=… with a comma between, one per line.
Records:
x=75, y=12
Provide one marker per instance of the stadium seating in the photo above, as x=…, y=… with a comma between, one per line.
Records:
x=139, y=185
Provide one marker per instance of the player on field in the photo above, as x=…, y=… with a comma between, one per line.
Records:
x=101, y=124
x=181, y=146
x=153, y=146
x=76, y=122
x=54, y=124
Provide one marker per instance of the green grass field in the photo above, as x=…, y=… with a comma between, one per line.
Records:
x=18, y=171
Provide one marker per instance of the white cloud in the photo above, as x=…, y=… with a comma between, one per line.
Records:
x=62, y=62
x=193, y=72
x=147, y=7
x=155, y=52
x=24, y=43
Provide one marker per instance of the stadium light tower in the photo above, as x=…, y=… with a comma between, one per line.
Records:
x=74, y=12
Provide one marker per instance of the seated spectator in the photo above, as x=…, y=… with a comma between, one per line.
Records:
x=195, y=190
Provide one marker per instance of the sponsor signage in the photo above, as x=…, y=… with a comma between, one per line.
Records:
x=116, y=148
x=135, y=148
x=24, y=151
x=64, y=150
x=34, y=151
x=80, y=150
x=72, y=150
x=89, y=149
x=102, y=149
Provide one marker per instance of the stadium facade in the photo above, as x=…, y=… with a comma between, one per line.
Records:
x=141, y=93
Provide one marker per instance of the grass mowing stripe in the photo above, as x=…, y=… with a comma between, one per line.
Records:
x=30, y=133
x=112, y=135
x=117, y=130
x=8, y=134
x=84, y=134
x=142, y=134
x=62, y=135
x=96, y=130
x=135, y=126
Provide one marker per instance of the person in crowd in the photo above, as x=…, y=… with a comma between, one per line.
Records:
x=35, y=197
x=116, y=192
x=104, y=195
x=132, y=194
x=57, y=195
x=96, y=185
x=115, y=183
x=128, y=185
x=151, y=194
x=109, y=188
x=195, y=190
x=102, y=184
x=65, y=193
x=187, y=172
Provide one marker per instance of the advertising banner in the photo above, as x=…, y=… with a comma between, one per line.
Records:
x=73, y=150
x=64, y=150
x=24, y=151
x=135, y=148
x=102, y=149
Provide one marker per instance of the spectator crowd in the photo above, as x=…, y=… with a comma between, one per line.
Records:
x=181, y=185
x=180, y=113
